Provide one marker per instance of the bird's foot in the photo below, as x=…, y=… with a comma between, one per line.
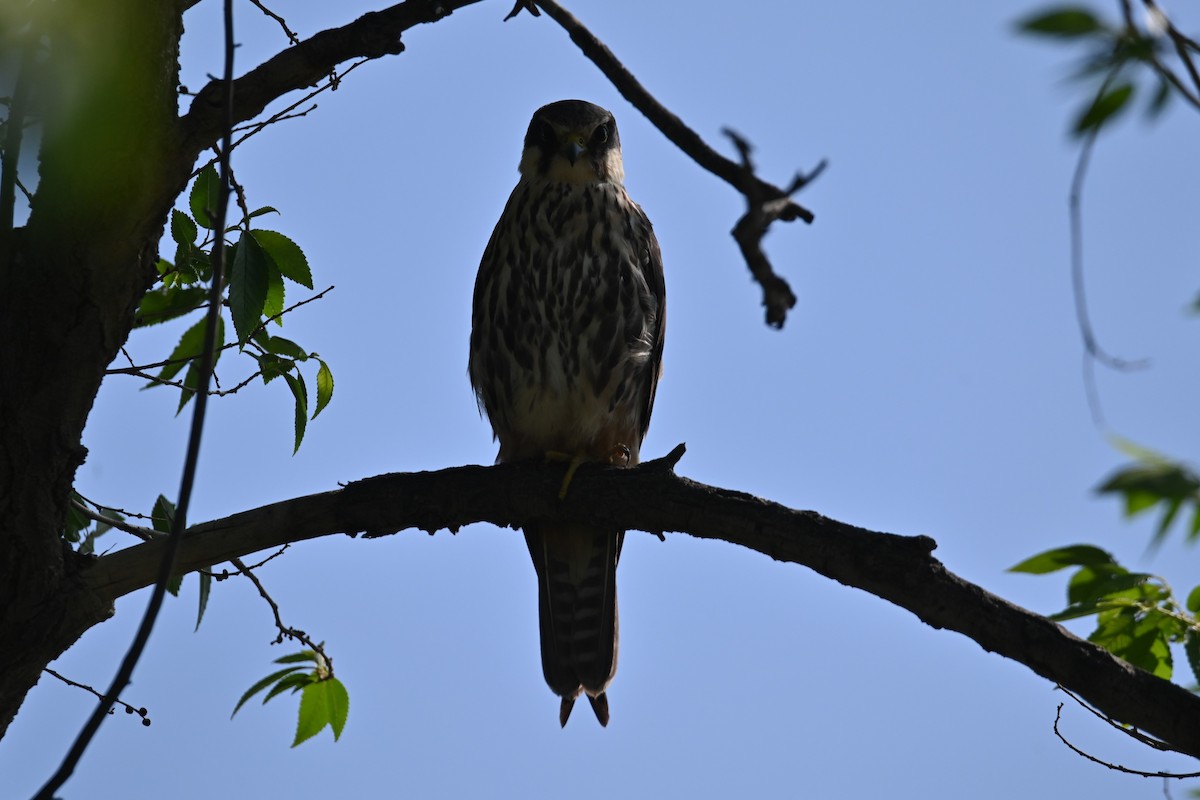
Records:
x=573, y=464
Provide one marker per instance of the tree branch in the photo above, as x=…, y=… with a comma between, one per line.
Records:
x=766, y=201
x=373, y=35
x=651, y=497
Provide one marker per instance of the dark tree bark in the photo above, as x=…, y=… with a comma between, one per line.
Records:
x=69, y=283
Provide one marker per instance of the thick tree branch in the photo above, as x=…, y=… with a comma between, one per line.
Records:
x=374, y=34
x=651, y=497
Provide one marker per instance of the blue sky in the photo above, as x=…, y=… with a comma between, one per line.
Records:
x=928, y=381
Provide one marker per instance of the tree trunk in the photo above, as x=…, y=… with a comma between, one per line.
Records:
x=70, y=280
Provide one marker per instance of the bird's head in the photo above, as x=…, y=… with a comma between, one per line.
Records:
x=572, y=141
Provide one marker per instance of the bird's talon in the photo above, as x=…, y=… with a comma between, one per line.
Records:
x=619, y=456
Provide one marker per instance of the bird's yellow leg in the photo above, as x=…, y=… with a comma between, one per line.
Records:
x=573, y=464
x=619, y=456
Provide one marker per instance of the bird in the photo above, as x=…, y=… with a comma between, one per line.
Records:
x=567, y=327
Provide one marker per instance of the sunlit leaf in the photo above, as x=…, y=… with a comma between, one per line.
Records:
x=322, y=703
x=273, y=305
x=324, y=387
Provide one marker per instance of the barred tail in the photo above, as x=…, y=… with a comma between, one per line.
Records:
x=577, y=609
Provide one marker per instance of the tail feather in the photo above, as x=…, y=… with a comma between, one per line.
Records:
x=577, y=610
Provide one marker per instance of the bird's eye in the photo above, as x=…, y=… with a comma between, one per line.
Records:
x=600, y=136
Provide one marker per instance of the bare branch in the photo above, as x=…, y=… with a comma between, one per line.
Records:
x=373, y=35
x=767, y=202
x=1110, y=765
x=651, y=497
x=292, y=37
x=141, y=712
x=285, y=631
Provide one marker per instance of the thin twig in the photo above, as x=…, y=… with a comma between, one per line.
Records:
x=285, y=632
x=1117, y=767
x=1131, y=732
x=285, y=113
x=139, y=369
x=145, y=534
x=1093, y=350
x=225, y=574
x=292, y=38
x=767, y=201
x=141, y=712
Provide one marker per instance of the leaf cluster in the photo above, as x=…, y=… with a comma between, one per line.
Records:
x=262, y=263
x=1137, y=615
x=1122, y=57
x=1154, y=481
x=324, y=700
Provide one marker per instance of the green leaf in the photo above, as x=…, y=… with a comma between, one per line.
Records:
x=258, y=212
x=286, y=254
x=294, y=682
x=259, y=686
x=1162, y=479
x=1103, y=108
x=272, y=366
x=300, y=392
x=1191, y=648
x=1089, y=584
x=286, y=347
x=323, y=703
x=273, y=306
x=168, y=302
x=163, y=515
x=1066, y=22
x=1059, y=558
x=1076, y=611
x=300, y=657
x=1193, y=600
x=191, y=381
x=183, y=228
x=248, y=286
x=324, y=387
x=190, y=346
x=204, y=195
x=174, y=584
x=205, y=587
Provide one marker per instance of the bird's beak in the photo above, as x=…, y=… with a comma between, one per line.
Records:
x=573, y=148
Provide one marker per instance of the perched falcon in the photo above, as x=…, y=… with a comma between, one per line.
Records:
x=566, y=349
